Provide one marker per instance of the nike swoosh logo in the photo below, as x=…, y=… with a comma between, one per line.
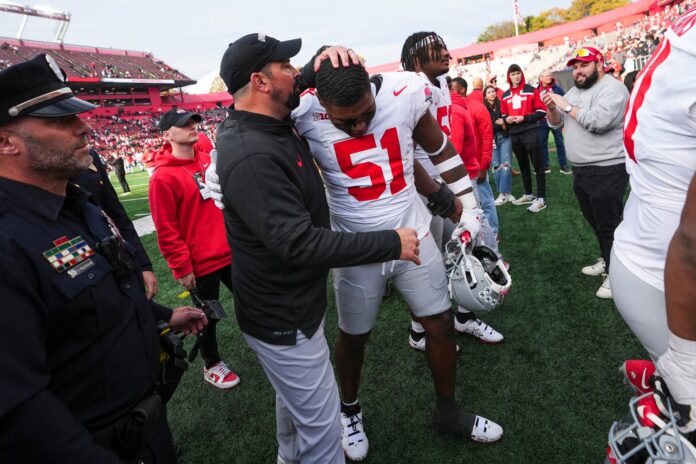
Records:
x=397, y=92
x=299, y=161
x=643, y=383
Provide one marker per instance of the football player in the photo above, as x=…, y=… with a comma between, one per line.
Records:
x=663, y=423
x=426, y=54
x=660, y=141
x=361, y=132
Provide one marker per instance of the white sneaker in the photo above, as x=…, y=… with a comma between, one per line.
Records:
x=524, y=200
x=417, y=342
x=479, y=329
x=595, y=269
x=220, y=376
x=504, y=198
x=482, y=430
x=605, y=290
x=537, y=206
x=486, y=431
x=353, y=438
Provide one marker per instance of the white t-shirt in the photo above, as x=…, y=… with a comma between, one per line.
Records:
x=441, y=109
x=660, y=141
x=369, y=179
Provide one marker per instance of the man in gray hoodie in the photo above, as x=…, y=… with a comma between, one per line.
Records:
x=593, y=114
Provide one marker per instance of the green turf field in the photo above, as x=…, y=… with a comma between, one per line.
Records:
x=135, y=203
x=553, y=384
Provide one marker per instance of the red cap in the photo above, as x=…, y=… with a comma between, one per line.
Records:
x=586, y=54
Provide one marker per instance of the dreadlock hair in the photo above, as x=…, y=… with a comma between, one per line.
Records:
x=416, y=47
x=343, y=86
x=461, y=82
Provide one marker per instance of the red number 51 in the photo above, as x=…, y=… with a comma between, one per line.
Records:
x=388, y=142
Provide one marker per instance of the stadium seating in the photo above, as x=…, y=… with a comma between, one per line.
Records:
x=88, y=62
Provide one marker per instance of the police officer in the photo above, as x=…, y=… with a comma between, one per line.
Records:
x=95, y=180
x=79, y=355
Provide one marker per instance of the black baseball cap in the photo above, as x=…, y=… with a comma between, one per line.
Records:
x=37, y=88
x=177, y=117
x=250, y=54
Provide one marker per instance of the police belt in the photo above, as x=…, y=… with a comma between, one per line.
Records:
x=127, y=436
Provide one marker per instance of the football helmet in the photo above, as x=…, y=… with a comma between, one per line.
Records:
x=648, y=436
x=477, y=278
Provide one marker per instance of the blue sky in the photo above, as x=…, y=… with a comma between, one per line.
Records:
x=193, y=35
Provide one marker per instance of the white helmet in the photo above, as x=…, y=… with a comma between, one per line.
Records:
x=648, y=436
x=478, y=279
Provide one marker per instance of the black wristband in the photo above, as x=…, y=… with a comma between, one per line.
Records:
x=441, y=203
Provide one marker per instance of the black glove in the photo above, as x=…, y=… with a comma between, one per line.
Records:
x=441, y=203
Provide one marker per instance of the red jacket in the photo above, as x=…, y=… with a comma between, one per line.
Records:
x=190, y=230
x=476, y=94
x=522, y=100
x=463, y=134
x=484, y=133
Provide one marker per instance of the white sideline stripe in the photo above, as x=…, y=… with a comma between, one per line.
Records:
x=131, y=199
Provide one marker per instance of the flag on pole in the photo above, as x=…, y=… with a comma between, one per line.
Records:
x=518, y=15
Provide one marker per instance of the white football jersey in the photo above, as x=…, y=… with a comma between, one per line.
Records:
x=660, y=141
x=441, y=109
x=369, y=179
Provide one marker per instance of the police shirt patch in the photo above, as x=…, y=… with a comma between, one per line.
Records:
x=68, y=253
x=80, y=268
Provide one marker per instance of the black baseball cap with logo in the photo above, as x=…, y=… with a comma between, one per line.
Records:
x=250, y=54
x=37, y=88
x=177, y=117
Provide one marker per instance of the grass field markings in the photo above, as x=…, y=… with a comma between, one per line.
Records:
x=123, y=200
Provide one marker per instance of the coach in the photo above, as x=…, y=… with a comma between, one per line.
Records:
x=277, y=222
x=593, y=114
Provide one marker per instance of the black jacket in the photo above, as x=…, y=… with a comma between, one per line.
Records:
x=96, y=181
x=81, y=346
x=277, y=222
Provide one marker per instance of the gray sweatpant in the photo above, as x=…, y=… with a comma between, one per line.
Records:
x=642, y=306
x=308, y=422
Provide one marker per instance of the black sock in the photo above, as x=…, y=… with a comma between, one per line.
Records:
x=445, y=403
x=350, y=410
x=416, y=335
x=463, y=317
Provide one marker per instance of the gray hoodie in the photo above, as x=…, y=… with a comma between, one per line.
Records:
x=596, y=137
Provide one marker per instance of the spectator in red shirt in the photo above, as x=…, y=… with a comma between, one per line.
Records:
x=522, y=108
x=493, y=82
x=477, y=89
x=190, y=228
x=483, y=130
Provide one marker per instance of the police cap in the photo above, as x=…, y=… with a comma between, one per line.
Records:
x=37, y=88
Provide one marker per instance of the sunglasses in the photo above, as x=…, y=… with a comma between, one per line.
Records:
x=584, y=53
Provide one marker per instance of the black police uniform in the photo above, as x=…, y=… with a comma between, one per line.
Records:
x=81, y=347
x=96, y=181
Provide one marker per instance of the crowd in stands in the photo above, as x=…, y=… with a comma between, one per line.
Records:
x=129, y=137
x=94, y=64
x=629, y=47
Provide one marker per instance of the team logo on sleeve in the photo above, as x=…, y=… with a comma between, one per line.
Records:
x=428, y=94
x=68, y=253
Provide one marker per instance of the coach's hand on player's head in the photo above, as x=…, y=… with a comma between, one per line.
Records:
x=409, y=245
x=339, y=55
